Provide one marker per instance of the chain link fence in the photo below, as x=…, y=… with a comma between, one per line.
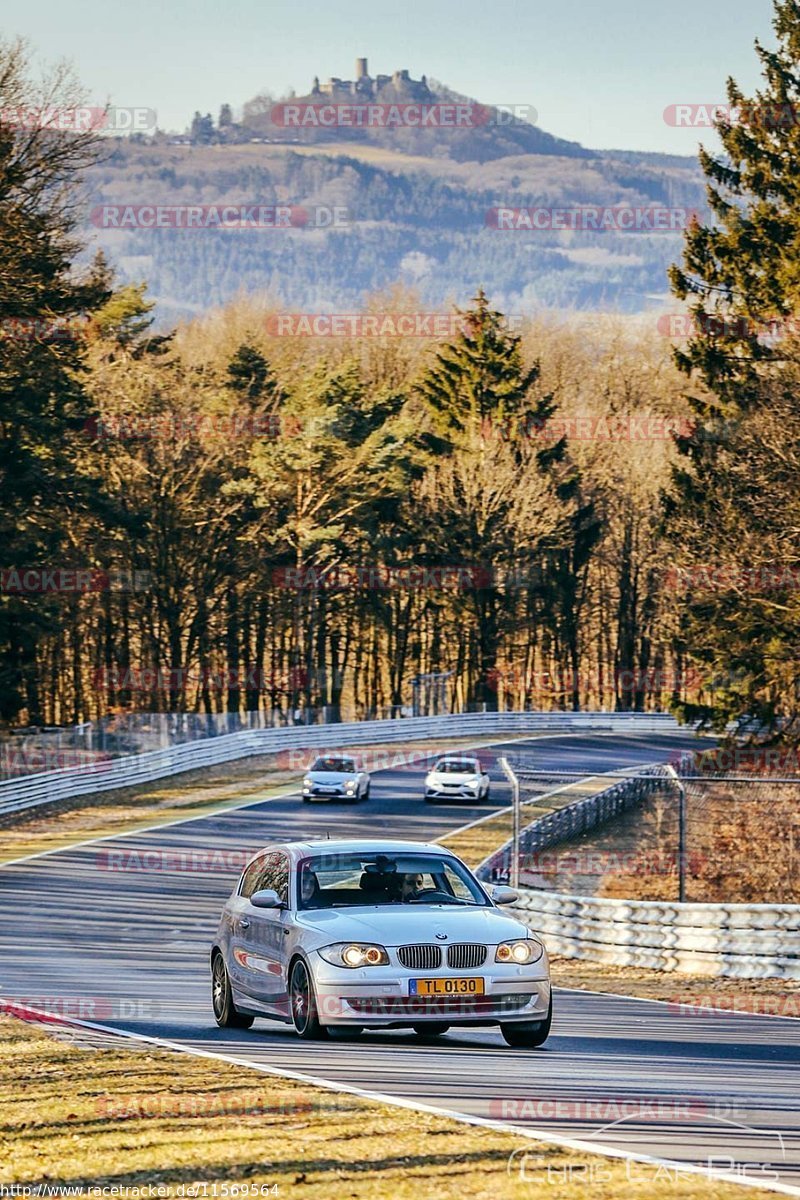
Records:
x=735, y=834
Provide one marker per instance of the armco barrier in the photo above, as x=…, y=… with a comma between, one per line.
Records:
x=33, y=790
x=745, y=941
x=574, y=819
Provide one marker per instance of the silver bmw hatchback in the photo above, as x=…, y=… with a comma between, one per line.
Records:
x=376, y=934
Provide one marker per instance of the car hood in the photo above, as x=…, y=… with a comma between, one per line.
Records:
x=331, y=777
x=397, y=926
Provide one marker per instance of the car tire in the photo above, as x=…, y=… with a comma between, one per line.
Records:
x=530, y=1034
x=488, y=792
x=431, y=1029
x=303, y=1003
x=226, y=1013
x=366, y=794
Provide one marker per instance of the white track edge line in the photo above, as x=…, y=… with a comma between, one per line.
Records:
x=417, y=1106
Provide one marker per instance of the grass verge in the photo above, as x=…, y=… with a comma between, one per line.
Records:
x=75, y=1118
x=773, y=997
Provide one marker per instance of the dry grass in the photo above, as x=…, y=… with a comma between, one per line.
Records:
x=80, y=1118
x=187, y=796
x=777, y=997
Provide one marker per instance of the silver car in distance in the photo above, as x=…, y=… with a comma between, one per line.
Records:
x=335, y=777
x=373, y=935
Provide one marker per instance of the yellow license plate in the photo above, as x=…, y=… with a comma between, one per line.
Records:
x=445, y=987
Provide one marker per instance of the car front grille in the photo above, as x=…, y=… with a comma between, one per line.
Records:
x=420, y=958
x=463, y=955
x=436, y=1006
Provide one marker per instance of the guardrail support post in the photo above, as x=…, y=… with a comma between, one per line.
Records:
x=681, y=832
x=512, y=779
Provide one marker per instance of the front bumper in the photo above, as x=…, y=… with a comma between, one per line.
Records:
x=379, y=996
x=316, y=793
x=459, y=792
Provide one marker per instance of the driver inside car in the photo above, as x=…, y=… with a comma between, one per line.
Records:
x=309, y=887
x=411, y=886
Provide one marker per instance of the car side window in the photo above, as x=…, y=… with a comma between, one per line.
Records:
x=274, y=874
x=251, y=877
x=456, y=885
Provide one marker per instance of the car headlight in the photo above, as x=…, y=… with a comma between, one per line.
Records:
x=474, y=782
x=525, y=950
x=354, y=954
x=350, y=785
x=308, y=782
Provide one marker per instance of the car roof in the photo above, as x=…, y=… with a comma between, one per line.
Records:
x=355, y=846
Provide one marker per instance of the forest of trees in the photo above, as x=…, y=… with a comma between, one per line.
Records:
x=254, y=509
x=220, y=519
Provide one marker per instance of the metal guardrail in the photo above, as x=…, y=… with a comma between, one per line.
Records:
x=573, y=819
x=745, y=941
x=33, y=790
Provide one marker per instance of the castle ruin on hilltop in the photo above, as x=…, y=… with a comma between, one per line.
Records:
x=399, y=83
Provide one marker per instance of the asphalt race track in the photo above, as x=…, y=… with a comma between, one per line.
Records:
x=130, y=947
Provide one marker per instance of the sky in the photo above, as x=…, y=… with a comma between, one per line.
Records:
x=600, y=72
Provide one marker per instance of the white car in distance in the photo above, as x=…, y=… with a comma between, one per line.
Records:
x=336, y=777
x=457, y=777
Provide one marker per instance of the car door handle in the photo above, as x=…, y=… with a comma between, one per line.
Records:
x=244, y=923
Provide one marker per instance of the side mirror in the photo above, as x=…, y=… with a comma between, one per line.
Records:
x=503, y=895
x=266, y=898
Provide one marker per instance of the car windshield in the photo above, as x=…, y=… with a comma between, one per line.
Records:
x=343, y=766
x=457, y=766
x=346, y=880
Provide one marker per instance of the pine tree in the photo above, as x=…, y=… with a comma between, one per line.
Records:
x=479, y=382
x=741, y=273
x=202, y=130
x=250, y=375
x=505, y=496
x=45, y=313
x=744, y=270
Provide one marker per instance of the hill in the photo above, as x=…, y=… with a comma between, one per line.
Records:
x=418, y=211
